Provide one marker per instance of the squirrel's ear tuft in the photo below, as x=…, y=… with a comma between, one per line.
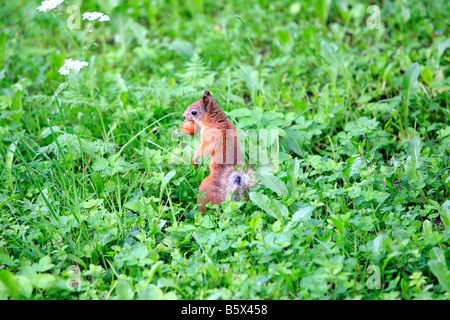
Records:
x=205, y=99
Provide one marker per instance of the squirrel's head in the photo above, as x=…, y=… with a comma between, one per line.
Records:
x=198, y=111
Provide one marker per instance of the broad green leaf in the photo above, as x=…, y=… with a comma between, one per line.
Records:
x=7, y=279
x=17, y=106
x=102, y=164
x=77, y=259
x=48, y=131
x=44, y=281
x=410, y=78
x=152, y=292
x=142, y=205
x=303, y=213
x=45, y=263
x=274, y=184
x=338, y=224
x=294, y=140
x=167, y=283
x=427, y=228
x=7, y=260
x=355, y=167
x=242, y=112
x=414, y=147
x=254, y=222
x=438, y=255
x=283, y=36
x=427, y=75
x=276, y=226
x=166, y=179
x=5, y=102
x=404, y=285
x=265, y=203
x=281, y=208
x=211, y=268
x=251, y=78
x=18, y=287
x=444, y=212
x=91, y=203
x=329, y=52
x=147, y=160
x=442, y=45
x=441, y=272
x=322, y=7
x=207, y=222
x=25, y=287
x=293, y=172
x=377, y=245
x=182, y=48
x=124, y=290
x=438, y=266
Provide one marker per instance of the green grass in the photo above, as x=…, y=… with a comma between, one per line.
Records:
x=91, y=190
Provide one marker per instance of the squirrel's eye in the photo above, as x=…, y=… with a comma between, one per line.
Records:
x=194, y=112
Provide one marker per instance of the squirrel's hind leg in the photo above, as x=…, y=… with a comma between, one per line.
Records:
x=213, y=192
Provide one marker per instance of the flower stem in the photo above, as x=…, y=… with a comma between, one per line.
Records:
x=91, y=94
x=72, y=38
x=105, y=134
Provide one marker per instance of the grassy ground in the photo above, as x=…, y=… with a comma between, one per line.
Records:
x=92, y=193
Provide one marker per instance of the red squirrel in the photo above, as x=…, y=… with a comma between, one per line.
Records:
x=220, y=140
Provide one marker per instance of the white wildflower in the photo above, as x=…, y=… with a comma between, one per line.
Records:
x=92, y=16
x=49, y=5
x=104, y=18
x=70, y=65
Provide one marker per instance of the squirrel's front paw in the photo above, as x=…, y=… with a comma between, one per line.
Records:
x=194, y=163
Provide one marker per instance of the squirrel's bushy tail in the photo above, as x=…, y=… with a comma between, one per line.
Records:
x=238, y=182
